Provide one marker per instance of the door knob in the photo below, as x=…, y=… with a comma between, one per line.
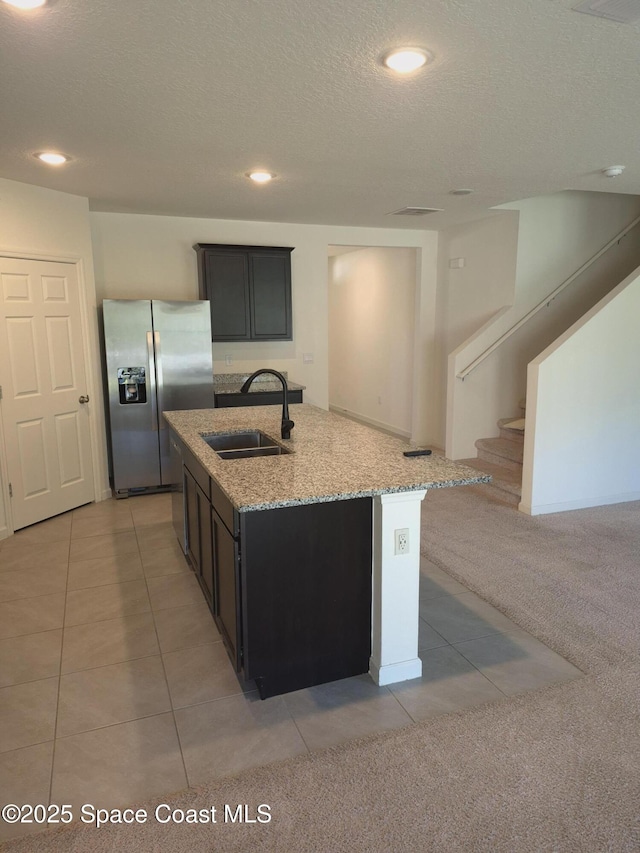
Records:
x=84, y=398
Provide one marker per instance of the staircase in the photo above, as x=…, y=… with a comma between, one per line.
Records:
x=502, y=458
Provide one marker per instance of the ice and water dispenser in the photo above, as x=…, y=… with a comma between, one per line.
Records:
x=132, y=384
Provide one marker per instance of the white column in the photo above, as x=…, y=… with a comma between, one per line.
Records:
x=396, y=579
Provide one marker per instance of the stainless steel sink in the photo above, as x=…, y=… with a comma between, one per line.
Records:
x=250, y=452
x=244, y=445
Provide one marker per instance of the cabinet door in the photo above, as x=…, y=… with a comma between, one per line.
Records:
x=270, y=296
x=227, y=286
x=227, y=588
x=199, y=535
x=206, y=546
x=193, y=535
x=249, y=290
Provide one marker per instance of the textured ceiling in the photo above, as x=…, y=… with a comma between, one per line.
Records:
x=165, y=104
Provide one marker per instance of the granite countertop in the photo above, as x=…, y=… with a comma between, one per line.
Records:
x=231, y=383
x=332, y=458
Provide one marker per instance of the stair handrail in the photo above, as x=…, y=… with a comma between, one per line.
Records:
x=544, y=303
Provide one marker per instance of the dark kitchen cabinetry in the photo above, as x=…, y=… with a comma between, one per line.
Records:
x=256, y=398
x=213, y=551
x=249, y=289
x=226, y=560
x=225, y=528
x=199, y=530
x=289, y=588
x=306, y=594
x=206, y=551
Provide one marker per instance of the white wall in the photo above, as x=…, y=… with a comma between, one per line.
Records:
x=41, y=223
x=583, y=399
x=571, y=226
x=469, y=296
x=556, y=236
x=141, y=256
x=372, y=296
x=425, y=393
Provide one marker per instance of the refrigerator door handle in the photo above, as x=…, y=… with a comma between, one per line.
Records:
x=156, y=338
x=152, y=383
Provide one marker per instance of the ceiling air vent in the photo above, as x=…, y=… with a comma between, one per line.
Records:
x=623, y=11
x=414, y=211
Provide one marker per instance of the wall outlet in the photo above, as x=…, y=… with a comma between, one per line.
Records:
x=456, y=263
x=228, y=360
x=401, y=541
x=307, y=358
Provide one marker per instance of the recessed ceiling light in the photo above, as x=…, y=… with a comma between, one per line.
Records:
x=261, y=177
x=52, y=159
x=404, y=60
x=25, y=4
x=613, y=171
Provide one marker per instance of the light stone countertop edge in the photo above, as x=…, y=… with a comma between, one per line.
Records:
x=332, y=458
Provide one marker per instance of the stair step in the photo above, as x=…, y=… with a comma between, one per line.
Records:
x=510, y=428
x=506, y=484
x=501, y=451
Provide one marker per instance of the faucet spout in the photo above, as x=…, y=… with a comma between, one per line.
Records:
x=287, y=424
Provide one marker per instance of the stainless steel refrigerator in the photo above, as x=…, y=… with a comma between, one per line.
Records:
x=158, y=358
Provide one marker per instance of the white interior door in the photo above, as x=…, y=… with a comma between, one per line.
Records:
x=43, y=379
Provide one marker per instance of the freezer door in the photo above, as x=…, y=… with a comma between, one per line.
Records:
x=184, y=364
x=131, y=382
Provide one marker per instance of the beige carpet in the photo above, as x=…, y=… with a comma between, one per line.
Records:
x=553, y=770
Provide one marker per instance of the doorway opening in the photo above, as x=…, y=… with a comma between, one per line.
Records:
x=372, y=299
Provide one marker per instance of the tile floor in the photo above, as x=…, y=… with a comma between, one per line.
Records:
x=115, y=686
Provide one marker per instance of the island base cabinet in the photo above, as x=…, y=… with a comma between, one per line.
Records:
x=306, y=594
x=199, y=535
x=206, y=555
x=289, y=588
x=226, y=562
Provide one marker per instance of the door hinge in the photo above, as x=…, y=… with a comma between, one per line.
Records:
x=0, y=392
x=10, y=490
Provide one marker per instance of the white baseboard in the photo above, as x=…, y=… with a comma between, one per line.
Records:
x=565, y=506
x=370, y=422
x=395, y=672
x=106, y=494
x=4, y=533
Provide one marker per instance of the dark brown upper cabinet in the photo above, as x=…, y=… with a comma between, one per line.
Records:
x=249, y=288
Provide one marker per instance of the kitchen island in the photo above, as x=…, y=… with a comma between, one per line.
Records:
x=309, y=559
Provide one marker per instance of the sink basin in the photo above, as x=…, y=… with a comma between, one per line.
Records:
x=250, y=452
x=244, y=445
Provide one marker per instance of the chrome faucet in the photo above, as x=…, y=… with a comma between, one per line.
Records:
x=287, y=424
